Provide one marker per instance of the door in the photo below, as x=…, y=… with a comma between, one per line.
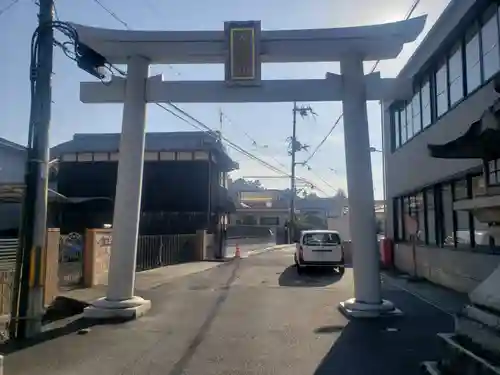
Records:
x=322, y=247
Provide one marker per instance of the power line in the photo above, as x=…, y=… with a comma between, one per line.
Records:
x=8, y=6
x=112, y=14
x=407, y=16
x=228, y=141
x=198, y=122
x=200, y=125
x=254, y=142
x=125, y=24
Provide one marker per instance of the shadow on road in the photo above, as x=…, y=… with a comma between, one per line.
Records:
x=79, y=325
x=390, y=346
x=315, y=277
x=181, y=364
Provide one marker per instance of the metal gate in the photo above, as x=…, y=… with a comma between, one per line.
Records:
x=71, y=247
x=8, y=251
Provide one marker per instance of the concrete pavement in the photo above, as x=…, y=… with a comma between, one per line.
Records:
x=250, y=316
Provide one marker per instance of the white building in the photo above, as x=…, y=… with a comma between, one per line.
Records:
x=12, y=166
x=440, y=160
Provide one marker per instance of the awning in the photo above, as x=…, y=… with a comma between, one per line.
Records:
x=481, y=141
x=14, y=193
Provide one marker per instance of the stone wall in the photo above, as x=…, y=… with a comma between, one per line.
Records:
x=96, y=257
x=458, y=269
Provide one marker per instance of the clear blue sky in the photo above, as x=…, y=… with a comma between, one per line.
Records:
x=268, y=124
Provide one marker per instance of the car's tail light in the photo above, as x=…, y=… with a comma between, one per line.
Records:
x=301, y=252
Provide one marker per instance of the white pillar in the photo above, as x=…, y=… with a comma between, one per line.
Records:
x=367, y=301
x=120, y=301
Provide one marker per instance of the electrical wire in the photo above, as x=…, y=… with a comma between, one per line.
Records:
x=112, y=14
x=8, y=6
x=201, y=126
x=254, y=142
x=198, y=124
x=407, y=16
x=125, y=24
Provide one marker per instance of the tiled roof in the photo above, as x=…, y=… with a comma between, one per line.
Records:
x=109, y=142
x=9, y=144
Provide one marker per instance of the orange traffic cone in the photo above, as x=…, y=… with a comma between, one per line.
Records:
x=237, y=253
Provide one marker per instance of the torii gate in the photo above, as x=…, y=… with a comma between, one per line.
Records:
x=242, y=47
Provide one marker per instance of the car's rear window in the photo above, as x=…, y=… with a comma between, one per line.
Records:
x=319, y=239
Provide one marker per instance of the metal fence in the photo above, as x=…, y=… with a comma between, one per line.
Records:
x=8, y=251
x=155, y=251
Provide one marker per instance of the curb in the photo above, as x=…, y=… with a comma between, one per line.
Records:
x=270, y=248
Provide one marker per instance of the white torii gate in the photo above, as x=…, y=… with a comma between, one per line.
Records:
x=350, y=46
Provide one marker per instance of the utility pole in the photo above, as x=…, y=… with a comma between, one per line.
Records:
x=28, y=319
x=291, y=225
x=295, y=146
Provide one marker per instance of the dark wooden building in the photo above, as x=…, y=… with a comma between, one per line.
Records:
x=184, y=182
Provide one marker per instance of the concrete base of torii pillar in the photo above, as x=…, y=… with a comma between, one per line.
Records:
x=120, y=302
x=367, y=301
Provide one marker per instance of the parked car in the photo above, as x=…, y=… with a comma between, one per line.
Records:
x=319, y=248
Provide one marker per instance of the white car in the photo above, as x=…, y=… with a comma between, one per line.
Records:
x=319, y=248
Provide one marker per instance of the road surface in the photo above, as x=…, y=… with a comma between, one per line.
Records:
x=247, y=245
x=246, y=317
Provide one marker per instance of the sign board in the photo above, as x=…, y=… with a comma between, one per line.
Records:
x=258, y=196
x=243, y=58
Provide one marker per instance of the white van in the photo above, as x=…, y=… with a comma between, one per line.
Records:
x=319, y=248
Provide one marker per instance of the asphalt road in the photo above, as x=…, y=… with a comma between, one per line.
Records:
x=249, y=316
x=247, y=245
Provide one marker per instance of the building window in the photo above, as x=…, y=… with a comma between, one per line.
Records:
x=397, y=129
x=415, y=110
x=463, y=218
x=426, y=104
x=455, y=82
x=493, y=172
x=399, y=219
x=461, y=190
x=404, y=127
x=472, y=60
x=463, y=233
x=447, y=215
x=481, y=235
x=420, y=216
x=269, y=221
x=478, y=186
x=489, y=40
x=406, y=213
x=441, y=91
x=431, y=217
x=409, y=122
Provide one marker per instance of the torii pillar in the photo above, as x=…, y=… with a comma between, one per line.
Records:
x=367, y=301
x=120, y=301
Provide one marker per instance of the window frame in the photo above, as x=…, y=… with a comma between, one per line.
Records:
x=457, y=52
x=440, y=67
x=490, y=13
